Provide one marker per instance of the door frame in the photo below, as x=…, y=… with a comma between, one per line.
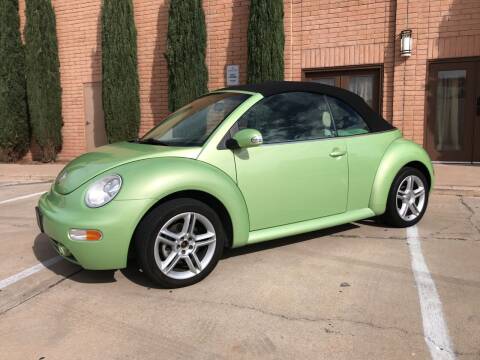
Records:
x=475, y=157
x=93, y=116
x=308, y=72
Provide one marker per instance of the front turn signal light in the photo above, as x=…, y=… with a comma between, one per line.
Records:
x=88, y=235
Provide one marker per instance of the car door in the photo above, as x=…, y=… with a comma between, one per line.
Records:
x=365, y=150
x=301, y=170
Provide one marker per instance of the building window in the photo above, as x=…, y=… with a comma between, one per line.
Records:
x=363, y=82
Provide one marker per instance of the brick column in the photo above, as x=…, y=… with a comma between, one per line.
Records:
x=410, y=72
x=293, y=40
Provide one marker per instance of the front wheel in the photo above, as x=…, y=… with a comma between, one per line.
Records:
x=179, y=242
x=408, y=198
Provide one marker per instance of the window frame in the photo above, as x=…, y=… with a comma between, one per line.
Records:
x=341, y=73
x=217, y=126
x=351, y=108
x=234, y=128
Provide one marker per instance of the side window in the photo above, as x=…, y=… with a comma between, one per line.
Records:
x=294, y=116
x=347, y=121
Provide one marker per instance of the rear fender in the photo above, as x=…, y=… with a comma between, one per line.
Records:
x=398, y=154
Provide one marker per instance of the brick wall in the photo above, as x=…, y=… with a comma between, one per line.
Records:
x=318, y=34
x=151, y=18
x=80, y=62
x=333, y=34
x=441, y=29
x=227, y=24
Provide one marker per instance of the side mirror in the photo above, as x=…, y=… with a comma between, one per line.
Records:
x=245, y=138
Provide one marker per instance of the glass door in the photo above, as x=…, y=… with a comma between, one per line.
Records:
x=452, y=111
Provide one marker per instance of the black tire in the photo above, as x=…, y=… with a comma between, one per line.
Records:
x=391, y=215
x=150, y=226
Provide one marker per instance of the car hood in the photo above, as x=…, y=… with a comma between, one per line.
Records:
x=105, y=158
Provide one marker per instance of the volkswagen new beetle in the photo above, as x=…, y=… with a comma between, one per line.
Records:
x=235, y=167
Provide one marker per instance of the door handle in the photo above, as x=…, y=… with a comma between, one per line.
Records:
x=337, y=152
x=478, y=106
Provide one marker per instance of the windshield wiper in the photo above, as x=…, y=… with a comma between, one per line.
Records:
x=152, y=141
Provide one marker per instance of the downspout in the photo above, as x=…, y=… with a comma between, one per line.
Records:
x=394, y=53
x=291, y=40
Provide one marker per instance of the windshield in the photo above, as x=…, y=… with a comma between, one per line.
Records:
x=192, y=124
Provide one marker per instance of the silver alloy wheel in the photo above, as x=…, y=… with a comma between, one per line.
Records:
x=410, y=198
x=185, y=245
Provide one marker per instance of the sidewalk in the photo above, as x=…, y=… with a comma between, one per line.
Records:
x=457, y=179
x=29, y=172
x=450, y=179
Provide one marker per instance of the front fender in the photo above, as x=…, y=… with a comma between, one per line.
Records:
x=398, y=154
x=154, y=179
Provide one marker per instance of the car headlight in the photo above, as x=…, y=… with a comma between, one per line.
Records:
x=103, y=191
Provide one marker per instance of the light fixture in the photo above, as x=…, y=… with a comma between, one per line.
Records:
x=103, y=191
x=85, y=235
x=406, y=43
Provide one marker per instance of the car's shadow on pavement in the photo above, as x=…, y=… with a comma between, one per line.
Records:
x=374, y=222
x=134, y=273
x=267, y=245
x=44, y=252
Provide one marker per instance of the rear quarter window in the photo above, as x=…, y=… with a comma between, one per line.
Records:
x=347, y=121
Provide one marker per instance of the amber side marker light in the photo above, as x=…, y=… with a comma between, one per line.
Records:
x=88, y=235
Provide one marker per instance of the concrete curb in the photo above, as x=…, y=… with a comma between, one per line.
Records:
x=27, y=178
x=457, y=190
x=29, y=172
x=454, y=190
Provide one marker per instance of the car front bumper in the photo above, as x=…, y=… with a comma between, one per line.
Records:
x=117, y=220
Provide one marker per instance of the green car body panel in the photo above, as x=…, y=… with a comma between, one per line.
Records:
x=400, y=153
x=267, y=191
x=108, y=157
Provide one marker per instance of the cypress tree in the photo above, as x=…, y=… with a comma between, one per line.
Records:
x=120, y=88
x=266, y=39
x=186, y=50
x=14, y=133
x=43, y=78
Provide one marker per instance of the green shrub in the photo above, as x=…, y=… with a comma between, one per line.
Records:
x=186, y=50
x=266, y=40
x=43, y=78
x=120, y=89
x=14, y=133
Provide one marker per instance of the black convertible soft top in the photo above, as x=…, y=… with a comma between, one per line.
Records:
x=374, y=120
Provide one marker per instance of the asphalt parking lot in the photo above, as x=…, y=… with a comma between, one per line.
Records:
x=359, y=291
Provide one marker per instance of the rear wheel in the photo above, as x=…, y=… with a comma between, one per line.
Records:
x=408, y=198
x=180, y=242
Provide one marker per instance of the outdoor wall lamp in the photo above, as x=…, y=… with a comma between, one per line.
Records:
x=406, y=43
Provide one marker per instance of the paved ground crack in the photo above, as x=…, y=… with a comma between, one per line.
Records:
x=434, y=235
x=41, y=291
x=352, y=236
x=312, y=319
x=472, y=214
x=454, y=352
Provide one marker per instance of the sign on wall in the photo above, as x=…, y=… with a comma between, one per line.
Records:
x=233, y=75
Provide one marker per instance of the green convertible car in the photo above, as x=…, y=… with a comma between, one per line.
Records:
x=235, y=167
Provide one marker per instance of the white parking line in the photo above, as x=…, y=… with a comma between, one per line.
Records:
x=27, y=272
x=435, y=329
x=21, y=197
